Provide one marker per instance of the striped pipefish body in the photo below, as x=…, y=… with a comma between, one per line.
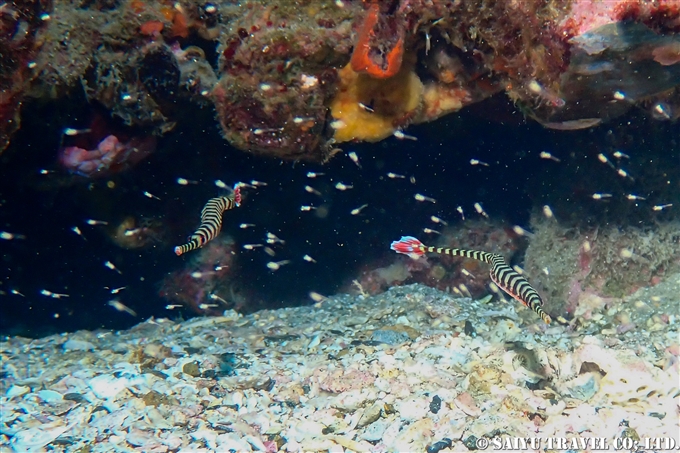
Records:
x=501, y=274
x=211, y=221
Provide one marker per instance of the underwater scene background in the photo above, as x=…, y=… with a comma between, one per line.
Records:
x=512, y=184
x=398, y=225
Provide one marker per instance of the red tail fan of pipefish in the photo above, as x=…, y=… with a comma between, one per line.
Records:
x=408, y=245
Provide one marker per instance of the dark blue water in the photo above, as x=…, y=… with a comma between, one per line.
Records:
x=45, y=208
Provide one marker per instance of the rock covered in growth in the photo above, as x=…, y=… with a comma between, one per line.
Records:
x=21, y=24
x=581, y=271
x=280, y=76
x=277, y=69
x=127, y=57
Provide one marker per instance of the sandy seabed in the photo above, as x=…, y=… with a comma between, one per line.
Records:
x=412, y=369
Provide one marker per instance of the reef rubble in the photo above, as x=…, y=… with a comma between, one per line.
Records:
x=412, y=369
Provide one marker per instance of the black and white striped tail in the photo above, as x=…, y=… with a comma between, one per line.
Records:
x=211, y=223
x=505, y=277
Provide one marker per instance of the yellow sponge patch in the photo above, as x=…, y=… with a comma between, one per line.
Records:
x=368, y=109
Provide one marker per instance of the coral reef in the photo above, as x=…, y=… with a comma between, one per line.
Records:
x=277, y=73
x=582, y=269
x=140, y=75
x=21, y=23
x=283, y=68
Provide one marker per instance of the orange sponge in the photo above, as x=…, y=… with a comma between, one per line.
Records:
x=369, y=109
